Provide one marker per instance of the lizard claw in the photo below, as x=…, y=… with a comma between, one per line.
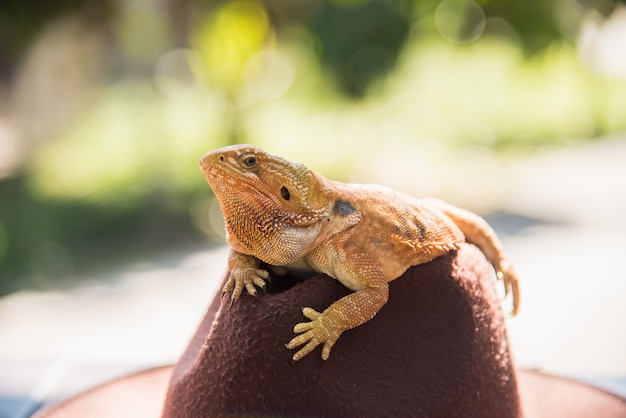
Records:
x=247, y=278
x=318, y=331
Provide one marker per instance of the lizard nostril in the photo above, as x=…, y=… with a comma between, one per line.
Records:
x=221, y=158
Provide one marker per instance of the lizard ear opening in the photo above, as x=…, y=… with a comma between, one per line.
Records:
x=285, y=193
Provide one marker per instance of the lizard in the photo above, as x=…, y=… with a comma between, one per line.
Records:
x=289, y=217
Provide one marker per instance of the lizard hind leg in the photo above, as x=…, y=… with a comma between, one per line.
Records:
x=478, y=232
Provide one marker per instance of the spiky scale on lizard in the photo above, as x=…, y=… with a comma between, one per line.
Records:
x=286, y=215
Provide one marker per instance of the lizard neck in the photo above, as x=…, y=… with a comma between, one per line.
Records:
x=264, y=229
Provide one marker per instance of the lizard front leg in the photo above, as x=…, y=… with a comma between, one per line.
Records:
x=244, y=273
x=372, y=292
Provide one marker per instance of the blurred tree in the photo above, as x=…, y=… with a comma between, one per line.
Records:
x=360, y=40
x=534, y=20
x=22, y=20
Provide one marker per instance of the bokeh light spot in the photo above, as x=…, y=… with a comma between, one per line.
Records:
x=460, y=21
x=268, y=74
x=227, y=40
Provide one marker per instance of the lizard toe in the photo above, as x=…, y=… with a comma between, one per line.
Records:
x=302, y=327
x=310, y=346
x=229, y=286
x=328, y=344
x=311, y=314
x=259, y=282
x=250, y=288
x=299, y=340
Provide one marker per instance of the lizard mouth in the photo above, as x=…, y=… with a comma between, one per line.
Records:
x=213, y=174
x=220, y=179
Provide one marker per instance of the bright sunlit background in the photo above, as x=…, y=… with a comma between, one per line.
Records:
x=106, y=107
x=516, y=110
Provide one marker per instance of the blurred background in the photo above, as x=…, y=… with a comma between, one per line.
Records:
x=516, y=110
x=106, y=106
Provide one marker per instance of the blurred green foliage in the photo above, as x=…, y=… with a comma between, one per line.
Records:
x=360, y=40
x=312, y=80
x=227, y=39
x=43, y=242
x=131, y=145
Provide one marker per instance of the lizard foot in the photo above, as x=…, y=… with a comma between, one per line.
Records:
x=247, y=278
x=320, y=330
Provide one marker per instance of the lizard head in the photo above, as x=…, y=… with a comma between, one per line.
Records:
x=247, y=181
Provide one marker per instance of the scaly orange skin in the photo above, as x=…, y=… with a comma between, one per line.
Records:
x=286, y=215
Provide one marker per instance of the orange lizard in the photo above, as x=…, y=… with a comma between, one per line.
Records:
x=286, y=215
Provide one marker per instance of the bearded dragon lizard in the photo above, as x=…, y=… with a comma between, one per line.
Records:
x=286, y=215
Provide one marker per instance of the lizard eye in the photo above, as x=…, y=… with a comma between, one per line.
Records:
x=250, y=161
x=285, y=193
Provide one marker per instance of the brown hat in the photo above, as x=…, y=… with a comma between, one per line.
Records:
x=438, y=348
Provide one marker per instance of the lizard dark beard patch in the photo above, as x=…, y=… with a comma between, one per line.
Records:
x=343, y=208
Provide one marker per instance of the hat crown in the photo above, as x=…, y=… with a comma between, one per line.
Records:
x=437, y=348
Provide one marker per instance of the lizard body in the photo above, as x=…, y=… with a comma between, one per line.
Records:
x=286, y=215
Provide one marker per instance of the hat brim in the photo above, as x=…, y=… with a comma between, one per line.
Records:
x=135, y=395
x=454, y=361
x=142, y=395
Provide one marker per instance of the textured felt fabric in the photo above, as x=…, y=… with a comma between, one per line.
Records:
x=436, y=348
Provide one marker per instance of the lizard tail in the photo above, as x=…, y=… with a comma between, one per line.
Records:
x=478, y=232
x=511, y=283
